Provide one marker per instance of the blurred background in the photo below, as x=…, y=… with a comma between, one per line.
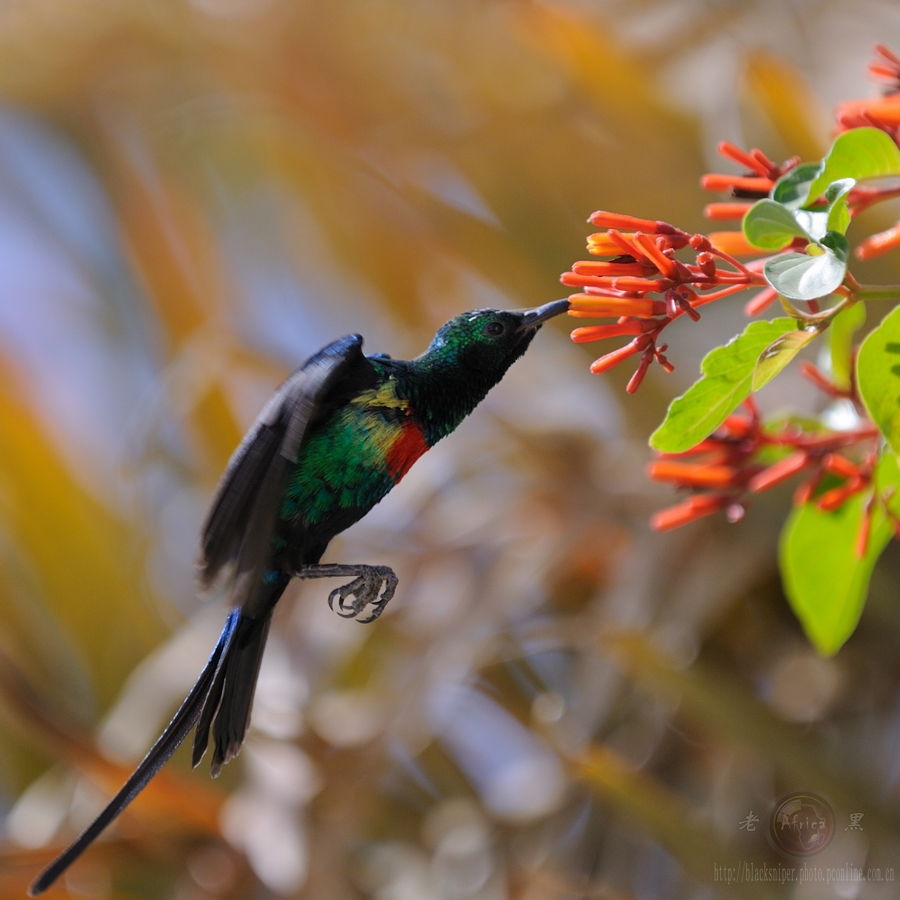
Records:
x=197, y=194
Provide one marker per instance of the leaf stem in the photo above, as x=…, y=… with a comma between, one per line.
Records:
x=879, y=292
x=820, y=319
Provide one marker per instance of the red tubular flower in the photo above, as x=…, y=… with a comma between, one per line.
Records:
x=882, y=72
x=610, y=360
x=594, y=267
x=876, y=244
x=726, y=211
x=813, y=374
x=734, y=243
x=638, y=285
x=688, y=511
x=635, y=381
x=865, y=195
x=837, y=497
x=625, y=283
x=626, y=245
x=762, y=301
x=862, y=539
x=884, y=112
x=693, y=475
x=603, y=244
x=603, y=219
x=707, y=263
x=755, y=161
x=805, y=492
x=737, y=427
x=659, y=354
x=886, y=68
x=601, y=332
x=886, y=52
x=665, y=265
x=608, y=307
x=686, y=299
x=779, y=472
x=840, y=466
x=743, y=183
x=849, y=120
x=756, y=182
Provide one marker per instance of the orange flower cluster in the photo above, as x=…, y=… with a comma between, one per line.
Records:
x=650, y=273
x=880, y=112
x=755, y=184
x=726, y=466
x=643, y=264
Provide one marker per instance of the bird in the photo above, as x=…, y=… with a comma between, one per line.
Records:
x=330, y=443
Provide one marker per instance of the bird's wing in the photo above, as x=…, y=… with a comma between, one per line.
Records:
x=244, y=513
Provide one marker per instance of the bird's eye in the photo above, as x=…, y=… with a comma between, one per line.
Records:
x=494, y=328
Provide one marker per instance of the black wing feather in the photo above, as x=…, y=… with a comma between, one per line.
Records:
x=237, y=489
x=244, y=511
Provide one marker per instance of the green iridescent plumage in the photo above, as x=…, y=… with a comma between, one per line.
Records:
x=359, y=437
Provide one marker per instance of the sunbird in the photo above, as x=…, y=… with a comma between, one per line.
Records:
x=330, y=443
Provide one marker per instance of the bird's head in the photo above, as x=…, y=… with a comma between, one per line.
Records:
x=467, y=357
x=485, y=342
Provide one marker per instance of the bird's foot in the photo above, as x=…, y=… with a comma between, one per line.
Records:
x=353, y=597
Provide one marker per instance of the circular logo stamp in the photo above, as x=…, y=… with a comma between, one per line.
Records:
x=801, y=824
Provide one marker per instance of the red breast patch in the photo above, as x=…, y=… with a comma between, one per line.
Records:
x=408, y=447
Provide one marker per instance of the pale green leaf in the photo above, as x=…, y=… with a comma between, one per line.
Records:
x=844, y=325
x=813, y=223
x=792, y=189
x=726, y=383
x=800, y=276
x=825, y=579
x=878, y=377
x=838, y=218
x=858, y=153
x=778, y=354
x=771, y=225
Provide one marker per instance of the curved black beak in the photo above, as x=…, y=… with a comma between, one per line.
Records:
x=534, y=318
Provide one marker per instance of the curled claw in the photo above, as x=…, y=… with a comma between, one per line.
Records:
x=353, y=597
x=389, y=580
x=360, y=589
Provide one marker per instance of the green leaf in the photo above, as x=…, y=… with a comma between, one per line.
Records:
x=838, y=189
x=792, y=189
x=838, y=211
x=727, y=373
x=836, y=215
x=887, y=481
x=844, y=325
x=814, y=223
x=839, y=217
x=858, y=153
x=837, y=244
x=800, y=276
x=826, y=582
x=778, y=354
x=878, y=377
x=771, y=225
